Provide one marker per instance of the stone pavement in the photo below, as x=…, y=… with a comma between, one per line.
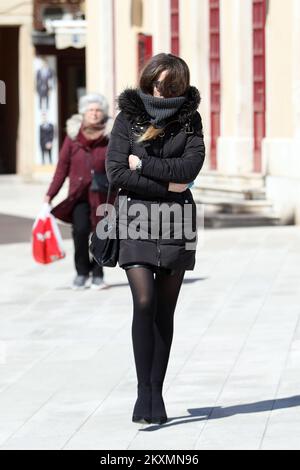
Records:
x=67, y=378
x=67, y=375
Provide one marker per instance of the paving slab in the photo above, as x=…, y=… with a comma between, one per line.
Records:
x=67, y=378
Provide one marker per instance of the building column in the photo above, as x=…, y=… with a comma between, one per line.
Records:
x=25, y=144
x=100, y=49
x=235, y=145
x=200, y=75
x=194, y=18
x=296, y=68
x=161, y=26
x=281, y=89
x=296, y=105
x=280, y=149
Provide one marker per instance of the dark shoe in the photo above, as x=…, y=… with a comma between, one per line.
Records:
x=80, y=282
x=142, y=407
x=159, y=415
x=98, y=283
x=141, y=420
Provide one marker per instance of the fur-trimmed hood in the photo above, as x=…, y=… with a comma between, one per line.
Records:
x=133, y=107
x=73, y=126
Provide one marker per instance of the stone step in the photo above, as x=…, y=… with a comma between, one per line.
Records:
x=247, y=181
x=213, y=220
x=11, y=179
x=219, y=205
x=236, y=193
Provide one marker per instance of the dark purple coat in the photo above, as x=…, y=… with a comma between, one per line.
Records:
x=76, y=161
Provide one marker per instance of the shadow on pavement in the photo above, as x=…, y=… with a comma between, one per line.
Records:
x=125, y=284
x=16, y=229
x=194, y=279
x=218, y=412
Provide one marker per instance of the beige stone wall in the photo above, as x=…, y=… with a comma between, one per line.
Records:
x=100, y=67
x=279, y=62
x=161, y=28
x=228, y=84
x=281, y=148
x=26, y=147
x=155, y=22
x=194, y=49
x=94, y=41
x=194, y=45
x=99, y=49
x=126, y=47
x=235, y=145
x=14, y=12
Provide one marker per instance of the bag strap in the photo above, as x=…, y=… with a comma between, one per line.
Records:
x=110, y=185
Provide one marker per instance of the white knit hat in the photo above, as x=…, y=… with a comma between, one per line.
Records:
x=91, y=98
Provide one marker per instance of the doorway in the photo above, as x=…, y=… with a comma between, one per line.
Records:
x=259, y=79
x=215, y=78
x=71, y=85
x=9, y=112
x=71, y=82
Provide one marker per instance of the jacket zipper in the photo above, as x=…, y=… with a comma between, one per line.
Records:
x=188, y=130
x=158, y=250
x=160, y=219
x=148, y=122
x=157, y=242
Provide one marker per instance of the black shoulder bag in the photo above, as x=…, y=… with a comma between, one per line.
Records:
x=105, y=249
x=99, y=182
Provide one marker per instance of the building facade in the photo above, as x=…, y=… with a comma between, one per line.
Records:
x=243, y=56
x=16, y=59
x=42, y=65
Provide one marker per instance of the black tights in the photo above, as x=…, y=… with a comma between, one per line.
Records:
x=154, y=302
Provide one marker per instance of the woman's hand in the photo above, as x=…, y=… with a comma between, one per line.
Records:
x=177, y=187
x=47, y=199
x=133, y=161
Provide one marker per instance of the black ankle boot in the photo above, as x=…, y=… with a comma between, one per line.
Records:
x=142, y=407
x=159, y=415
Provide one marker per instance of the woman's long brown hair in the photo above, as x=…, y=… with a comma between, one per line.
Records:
x=175, y=83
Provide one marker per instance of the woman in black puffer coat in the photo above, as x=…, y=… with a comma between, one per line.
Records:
x=156, y=150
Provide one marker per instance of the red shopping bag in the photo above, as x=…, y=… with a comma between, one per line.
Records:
x=46, y=238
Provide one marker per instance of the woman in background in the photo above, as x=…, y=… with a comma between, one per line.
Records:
x=82, y=159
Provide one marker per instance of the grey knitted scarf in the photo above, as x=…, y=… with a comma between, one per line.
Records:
x=160, y=109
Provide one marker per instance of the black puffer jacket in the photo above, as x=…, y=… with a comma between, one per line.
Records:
x=177, y=156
